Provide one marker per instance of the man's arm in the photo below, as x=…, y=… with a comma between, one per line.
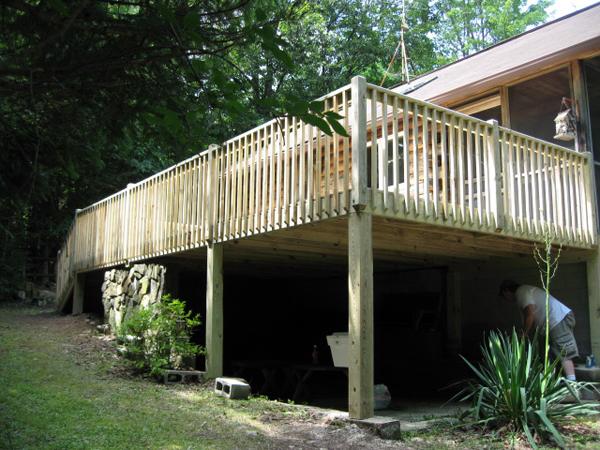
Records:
x=529, y=319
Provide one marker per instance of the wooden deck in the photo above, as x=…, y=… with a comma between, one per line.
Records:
x=432, y=173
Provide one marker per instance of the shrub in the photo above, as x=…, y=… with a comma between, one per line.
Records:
x=158, y=337
x=513, y=388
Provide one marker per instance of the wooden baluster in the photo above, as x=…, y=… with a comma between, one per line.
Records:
x=481, y=205
x=527, y=221
x=434, y=163
x=335, y=163
x=461, y=169
x=445, y=174
x=416, y=158
x=452, y=154
x=469, y=153
x=425, y=161
x=374, y=150
x=310, y=196
x=347, y=177
x=382, y=152
x=395, y=154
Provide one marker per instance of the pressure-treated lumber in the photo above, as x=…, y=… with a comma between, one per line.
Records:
x=453, y=311
x=359, y=142
x=360, y=315
x=593, y=288
x=214, y=310
x=78, y=293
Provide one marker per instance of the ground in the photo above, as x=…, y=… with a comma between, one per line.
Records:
x=62, y=387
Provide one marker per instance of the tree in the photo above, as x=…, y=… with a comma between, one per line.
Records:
x=467, y=26
x=97, y=93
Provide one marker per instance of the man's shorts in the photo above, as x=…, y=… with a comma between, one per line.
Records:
x=562, y=340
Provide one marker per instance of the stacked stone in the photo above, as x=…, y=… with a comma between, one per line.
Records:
x=124, y=291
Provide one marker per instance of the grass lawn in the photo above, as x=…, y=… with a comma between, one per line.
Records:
x=61, y=387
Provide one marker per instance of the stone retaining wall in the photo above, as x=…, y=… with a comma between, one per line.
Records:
x=126, y=290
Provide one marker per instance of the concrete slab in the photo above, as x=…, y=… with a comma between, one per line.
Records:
x=384, y=427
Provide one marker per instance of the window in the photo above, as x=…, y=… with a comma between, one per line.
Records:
x=389, y=162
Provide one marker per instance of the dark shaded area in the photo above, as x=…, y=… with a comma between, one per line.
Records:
x=535, y=103
x=275, y=323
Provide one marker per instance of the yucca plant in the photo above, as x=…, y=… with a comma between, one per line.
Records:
x=513, y=388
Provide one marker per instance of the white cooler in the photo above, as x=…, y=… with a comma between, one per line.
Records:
x=338, y=343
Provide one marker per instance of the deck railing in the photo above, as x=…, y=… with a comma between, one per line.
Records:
x=431, y=164
x=405, y=158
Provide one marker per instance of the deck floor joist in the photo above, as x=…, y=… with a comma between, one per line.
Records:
x=321, y=248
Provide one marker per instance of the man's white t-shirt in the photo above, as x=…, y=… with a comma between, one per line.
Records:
x=531, y=295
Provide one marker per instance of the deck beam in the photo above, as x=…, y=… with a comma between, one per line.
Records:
x=214, y=310
x=593, y=288
x=78, y=293
x=360, y=315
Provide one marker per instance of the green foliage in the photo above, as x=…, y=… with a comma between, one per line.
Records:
x=158, y=337
x=464, y=27
x=547, y=263
x=514, y=389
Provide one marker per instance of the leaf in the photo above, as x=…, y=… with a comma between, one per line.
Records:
x=337, y=127
x=191, y=20
x=316, y=121
x=333, y=115
x=297, y=107
x=199, y=65
x=261, y=16
x=316, y=106
x=283, y=57
x=59, y=6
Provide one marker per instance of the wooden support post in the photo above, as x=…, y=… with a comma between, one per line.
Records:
x=359, y=142
x=583, y=142
x=126, y=251
x=78, y=293
x=453, y=311
x=495, y=171
x=214, y=310
x=593, y=287
x=360, y=314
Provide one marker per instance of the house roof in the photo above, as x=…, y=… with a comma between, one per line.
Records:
x=553, y=43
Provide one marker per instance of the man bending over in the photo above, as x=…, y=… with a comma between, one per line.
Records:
x=532, y=303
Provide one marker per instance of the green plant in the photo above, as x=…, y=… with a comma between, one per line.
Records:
x=515, y=390
x=547, y=264
x=158, y=337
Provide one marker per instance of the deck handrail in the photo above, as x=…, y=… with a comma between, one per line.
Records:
x=460, y=171
x=403, y=158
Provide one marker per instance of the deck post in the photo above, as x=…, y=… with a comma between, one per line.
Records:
x=78, y=293
x=453, y=311
x=593, y=288
x=360, y=315
x=358, y=91
x=496, y=165
x=127, y=220
x=214, y=310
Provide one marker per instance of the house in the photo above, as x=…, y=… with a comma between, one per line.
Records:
x=398, y=233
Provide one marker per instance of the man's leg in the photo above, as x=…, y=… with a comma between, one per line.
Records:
x=564, y=346
x=568, y=369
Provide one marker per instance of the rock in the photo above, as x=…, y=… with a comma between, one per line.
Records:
x=144, y=285
x=154, y=291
